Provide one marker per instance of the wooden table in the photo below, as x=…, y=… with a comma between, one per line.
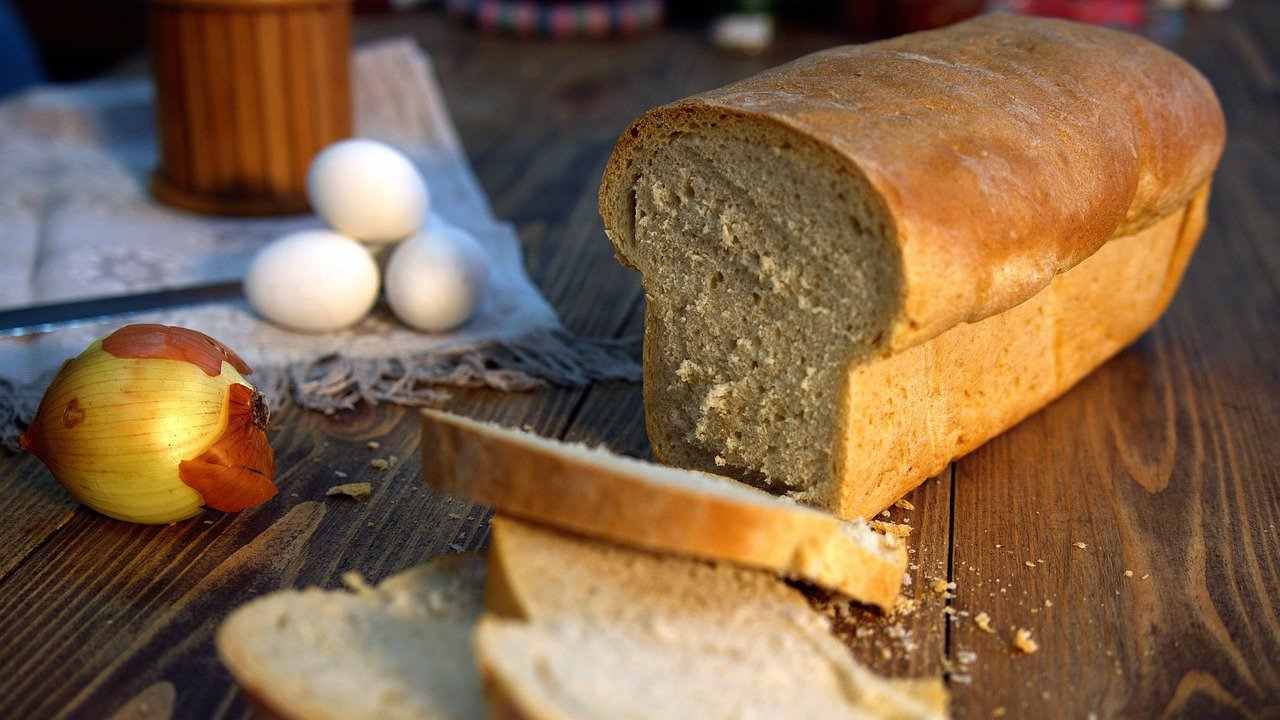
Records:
x=1163, y=462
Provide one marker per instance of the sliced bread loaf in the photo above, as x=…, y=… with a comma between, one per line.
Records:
x=585, y=629
x=871, y=260
x=598, y=493
x=400, y=651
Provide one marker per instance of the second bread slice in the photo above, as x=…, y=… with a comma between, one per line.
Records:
x=585, y=629
x=594, y=492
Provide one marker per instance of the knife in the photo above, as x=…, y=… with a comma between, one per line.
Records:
x=36, y=319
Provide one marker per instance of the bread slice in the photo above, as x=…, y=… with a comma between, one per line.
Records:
x=594, y=492
x=584, y=629
x=867, y=262
x=400, y=651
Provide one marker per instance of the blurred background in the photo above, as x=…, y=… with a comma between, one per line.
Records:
x=67, y=40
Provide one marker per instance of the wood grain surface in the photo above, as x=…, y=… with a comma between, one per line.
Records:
x=1163, y=463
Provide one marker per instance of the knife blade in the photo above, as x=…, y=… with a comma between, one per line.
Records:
x=36, y=319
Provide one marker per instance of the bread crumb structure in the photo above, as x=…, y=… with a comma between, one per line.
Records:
x=355, y=491
x=1023, y=643
x=983, y=621
x=397, y=650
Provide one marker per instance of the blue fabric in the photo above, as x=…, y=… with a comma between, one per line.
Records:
x=19, y=67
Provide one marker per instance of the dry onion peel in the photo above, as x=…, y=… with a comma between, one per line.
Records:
x=152, y=422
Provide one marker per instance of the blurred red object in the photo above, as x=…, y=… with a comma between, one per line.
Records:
x=877, y=18
x=1124, y=13
x=916, y=15
x=560, y=19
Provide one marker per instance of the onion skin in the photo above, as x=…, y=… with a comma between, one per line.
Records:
x=235, y=472
x=151, y=423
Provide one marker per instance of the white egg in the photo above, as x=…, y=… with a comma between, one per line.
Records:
x=436, y=279
x=367, y=190
x=313, y=281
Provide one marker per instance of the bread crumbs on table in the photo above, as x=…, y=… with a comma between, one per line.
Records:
x=355, y=491
x=1128, y=573
x=897, y=530
x=1145, y=577
x=904, y=504
x=339, y=474
x=983, y=621
x=1081, y=545
x=1023, y=643
x=998, y=712
x=1029, y=564
x=373, y=444
x=379, y=464
x=356, y=583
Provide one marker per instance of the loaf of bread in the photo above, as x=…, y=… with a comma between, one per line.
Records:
x=583, y=629
x=865, y=263
x=594, y=492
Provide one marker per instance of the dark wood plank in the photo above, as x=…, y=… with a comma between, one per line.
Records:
x=1164, y=463
x=36, y=508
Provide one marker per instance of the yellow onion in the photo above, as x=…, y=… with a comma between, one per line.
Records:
x=152, y=422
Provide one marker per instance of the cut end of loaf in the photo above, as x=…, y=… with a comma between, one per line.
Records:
x=769, y=265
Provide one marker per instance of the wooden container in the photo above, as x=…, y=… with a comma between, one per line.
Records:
x=247, y=91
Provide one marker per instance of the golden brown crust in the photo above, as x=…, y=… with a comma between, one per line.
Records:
x=494, y=466
x=1005, y=149
x=908, y=415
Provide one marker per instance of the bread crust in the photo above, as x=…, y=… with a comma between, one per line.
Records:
x=525, y=479
x=906, y=416
x=1005, y=150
